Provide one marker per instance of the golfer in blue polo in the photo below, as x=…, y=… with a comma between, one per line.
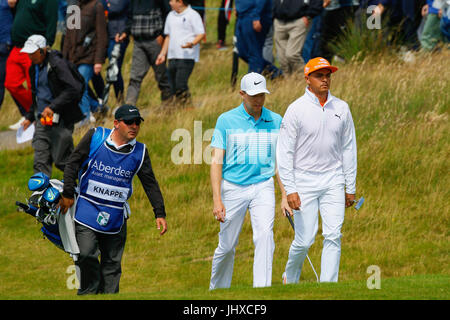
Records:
x=242, y=170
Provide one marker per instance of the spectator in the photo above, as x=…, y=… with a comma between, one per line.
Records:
x=334, y=22
x=117, y=12
x=252, y=26
x=68, y=6
x=96, y=80
x=146, y=24
x=267, y=51
x=431, y=33
x=56, y=94
x=183, y=32
x=31, y=17
x=62, y=12
x=223, y=19
x=311, y=46
x=292, y=20
x=444, y=13
x=86, y=47
x=6, y=20
x=404, y=19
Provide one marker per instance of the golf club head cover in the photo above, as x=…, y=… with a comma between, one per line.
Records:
x=38, y=181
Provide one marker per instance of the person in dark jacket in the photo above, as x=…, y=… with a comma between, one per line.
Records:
x=146, y=19
x=56, y=94
x=292, y=20
x=86, y=47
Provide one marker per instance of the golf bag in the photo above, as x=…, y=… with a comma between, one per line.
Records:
x=42, y=205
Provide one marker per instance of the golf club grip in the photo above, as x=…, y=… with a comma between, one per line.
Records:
x=25, y=208
x=21, y=205
x=234, y=69
x=290, y=219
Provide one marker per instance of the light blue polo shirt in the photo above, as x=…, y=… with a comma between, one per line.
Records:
x=250, y=146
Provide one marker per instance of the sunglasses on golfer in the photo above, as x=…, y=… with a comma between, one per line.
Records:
x=129, y=122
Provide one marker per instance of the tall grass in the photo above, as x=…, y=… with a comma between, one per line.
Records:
x=401, y=117
x=357, y=41
x=369, y=36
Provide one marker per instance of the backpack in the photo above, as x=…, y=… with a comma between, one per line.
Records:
x=75, y=73
x=78, y=77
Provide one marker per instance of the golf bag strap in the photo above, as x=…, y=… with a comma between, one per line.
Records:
x=98, y=138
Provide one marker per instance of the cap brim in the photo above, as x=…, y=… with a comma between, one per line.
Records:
x=331, y=68
x=256, y=91
x=29, y=49
x=130, y=117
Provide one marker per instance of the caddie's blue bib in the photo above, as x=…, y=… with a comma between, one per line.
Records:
x=105, y=186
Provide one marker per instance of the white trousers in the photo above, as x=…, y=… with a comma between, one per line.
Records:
x=259, y=199
x=331, y=204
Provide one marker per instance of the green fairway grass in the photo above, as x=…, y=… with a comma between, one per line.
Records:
x=401, y=116
x=429, y=287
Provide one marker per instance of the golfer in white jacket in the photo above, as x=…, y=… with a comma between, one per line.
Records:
x=316, y=158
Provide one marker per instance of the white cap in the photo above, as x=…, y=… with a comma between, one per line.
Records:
x=253, y=83
x=34, y=43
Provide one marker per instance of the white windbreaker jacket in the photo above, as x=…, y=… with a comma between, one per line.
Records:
x=316, y=146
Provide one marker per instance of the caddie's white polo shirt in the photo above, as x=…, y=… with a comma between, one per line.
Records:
x=317, y=145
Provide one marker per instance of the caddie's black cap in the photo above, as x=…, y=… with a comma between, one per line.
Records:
x=127, y=112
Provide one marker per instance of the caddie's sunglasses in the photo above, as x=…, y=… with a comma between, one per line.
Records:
x=131, y=121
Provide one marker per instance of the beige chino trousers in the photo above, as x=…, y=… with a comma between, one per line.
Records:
x=289, y=39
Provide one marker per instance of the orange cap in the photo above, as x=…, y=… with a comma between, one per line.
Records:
x=318, y=63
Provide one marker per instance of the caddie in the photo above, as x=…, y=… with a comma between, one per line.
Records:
x=242, y=170
x=316, y=158
x=105, y=163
